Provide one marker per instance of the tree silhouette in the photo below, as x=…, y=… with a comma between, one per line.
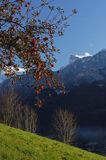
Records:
x=16, y=114
x=64, y=124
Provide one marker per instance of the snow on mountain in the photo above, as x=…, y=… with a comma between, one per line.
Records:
x=3, y=77
x=86, y=54
x=21, y=70
x=75, y=57
x=87, y=69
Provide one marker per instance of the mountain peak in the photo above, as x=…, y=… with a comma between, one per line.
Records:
x=87, y=69
x=72, y=59
x=102, y=53
x=86, y=54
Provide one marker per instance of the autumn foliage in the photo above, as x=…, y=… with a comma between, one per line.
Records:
x=27, y=31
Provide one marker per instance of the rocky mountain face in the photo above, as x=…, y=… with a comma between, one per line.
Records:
x=73, y=59
x=85, y=70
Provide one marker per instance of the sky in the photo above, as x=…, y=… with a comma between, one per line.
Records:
x=87, y=30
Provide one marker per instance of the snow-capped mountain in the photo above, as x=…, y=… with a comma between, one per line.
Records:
x=81, y=70
x=3, y=77
x=73, y=58
x=86, y=54
x=21, y=70
x=86, y=69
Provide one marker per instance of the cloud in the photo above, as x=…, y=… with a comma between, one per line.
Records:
x=86, y=54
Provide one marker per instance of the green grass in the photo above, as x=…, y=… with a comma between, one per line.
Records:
x=19, y=145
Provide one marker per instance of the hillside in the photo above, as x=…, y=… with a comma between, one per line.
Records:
x=19, y=145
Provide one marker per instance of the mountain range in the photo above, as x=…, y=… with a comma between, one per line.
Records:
x=85, y=70
x=85, y=79
x=80, y=70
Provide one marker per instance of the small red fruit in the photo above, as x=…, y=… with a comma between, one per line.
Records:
x=45, y=38
x=34, y=41
x=42, y=87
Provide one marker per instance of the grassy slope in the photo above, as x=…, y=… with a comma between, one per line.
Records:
x=19, y=145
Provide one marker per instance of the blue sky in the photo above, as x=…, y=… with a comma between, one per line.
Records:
x=87, y=31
